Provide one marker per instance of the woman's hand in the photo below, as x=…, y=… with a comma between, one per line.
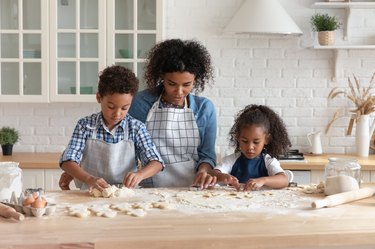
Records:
x=65, y=180
x=203, y=179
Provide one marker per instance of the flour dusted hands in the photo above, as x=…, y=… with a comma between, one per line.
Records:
x=132, y=179
x=97, y=182
x=254, y=184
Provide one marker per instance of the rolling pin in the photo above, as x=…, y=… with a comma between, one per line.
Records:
x=345, y=197
x=9, y=212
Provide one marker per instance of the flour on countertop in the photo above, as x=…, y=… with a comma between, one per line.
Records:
x=220, y=199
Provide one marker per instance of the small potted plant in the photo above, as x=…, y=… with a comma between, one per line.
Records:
x=325, y=25
x=8, y=137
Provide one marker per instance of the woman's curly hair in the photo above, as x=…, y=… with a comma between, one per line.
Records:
x=176, y=55
x=117, y=79
x=263, y=116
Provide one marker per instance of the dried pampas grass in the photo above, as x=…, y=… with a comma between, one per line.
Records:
x=362, y=98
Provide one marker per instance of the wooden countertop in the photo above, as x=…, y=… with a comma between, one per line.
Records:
x=346, y=226
x=29, y=160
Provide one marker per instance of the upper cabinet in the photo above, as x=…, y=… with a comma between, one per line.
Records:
x=83, y=37
x=23, y=51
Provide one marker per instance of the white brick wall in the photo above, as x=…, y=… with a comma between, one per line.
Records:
x=282, y=72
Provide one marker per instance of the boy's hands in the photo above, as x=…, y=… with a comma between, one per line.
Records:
x=132, y=179
x=65, y=180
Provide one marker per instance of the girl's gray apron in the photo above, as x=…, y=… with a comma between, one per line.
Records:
x=106, y=160
x=176, y=136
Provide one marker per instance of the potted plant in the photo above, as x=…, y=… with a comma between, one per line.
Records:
x=8, y=137
x=325, y=25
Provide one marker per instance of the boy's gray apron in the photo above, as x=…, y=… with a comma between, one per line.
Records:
x=106, y=160
x=176, y=136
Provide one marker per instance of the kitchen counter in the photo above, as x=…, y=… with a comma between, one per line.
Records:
x=346, y=226
x=29, y=160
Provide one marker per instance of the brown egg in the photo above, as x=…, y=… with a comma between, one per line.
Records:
x=29, y=200
x=40, y=202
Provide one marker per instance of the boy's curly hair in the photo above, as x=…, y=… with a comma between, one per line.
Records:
x=176, y=55
x=117, y=79
x=263, y=116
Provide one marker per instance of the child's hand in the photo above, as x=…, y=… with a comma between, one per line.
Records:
x=231, y=180
x=97, y=182
x=254, y=184
x=132, y=179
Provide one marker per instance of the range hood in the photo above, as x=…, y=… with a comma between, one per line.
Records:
x=262, y=17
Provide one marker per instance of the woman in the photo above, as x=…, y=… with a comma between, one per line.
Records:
x=182, y=125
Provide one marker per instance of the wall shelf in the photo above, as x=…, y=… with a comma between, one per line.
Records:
x=348, y=6
x=337, y=49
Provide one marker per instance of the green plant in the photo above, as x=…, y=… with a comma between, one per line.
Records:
x=8, y=135
x=324, y=22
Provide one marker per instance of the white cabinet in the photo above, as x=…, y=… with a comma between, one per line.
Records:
x=23, y=51
x=53, y=50
x=302, y=176
x=32, y=178
x=48, y=179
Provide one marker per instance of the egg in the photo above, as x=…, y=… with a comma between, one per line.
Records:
x=29, y=200
x=40, y=202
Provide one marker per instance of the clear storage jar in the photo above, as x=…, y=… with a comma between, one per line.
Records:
x=343, y=166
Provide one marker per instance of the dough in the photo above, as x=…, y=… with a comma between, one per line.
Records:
x=102, y=210
x=162, y=205
x=339, y=184
x=113, y=191
x=80, y=211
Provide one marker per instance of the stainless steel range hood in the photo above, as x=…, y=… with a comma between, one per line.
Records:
x=262, y=17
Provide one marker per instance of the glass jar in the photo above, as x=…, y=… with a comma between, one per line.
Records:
x=343, y=166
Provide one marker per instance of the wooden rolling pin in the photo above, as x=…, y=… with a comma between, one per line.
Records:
x=341, y=198
x=9, y=212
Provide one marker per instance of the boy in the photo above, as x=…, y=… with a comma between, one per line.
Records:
x=105, y=146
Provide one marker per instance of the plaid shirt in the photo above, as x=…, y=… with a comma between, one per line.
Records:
x=145, y=149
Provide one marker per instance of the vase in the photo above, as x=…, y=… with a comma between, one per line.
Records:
x=326, y=38
x=7, y=149
x=363, y=135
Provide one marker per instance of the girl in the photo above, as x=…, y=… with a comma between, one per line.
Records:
x=259, y=136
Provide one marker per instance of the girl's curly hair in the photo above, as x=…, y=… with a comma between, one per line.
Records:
x=260, y=115
x=117, y=79
x=176, y=55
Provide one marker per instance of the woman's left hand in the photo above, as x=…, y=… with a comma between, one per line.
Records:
x=132, y=179
x=204, y=180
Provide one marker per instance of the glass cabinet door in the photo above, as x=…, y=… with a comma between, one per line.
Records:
x=134, y=28
x=23, y=51
x=77, y=52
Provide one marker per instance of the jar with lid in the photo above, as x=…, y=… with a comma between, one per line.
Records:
x=341, y=175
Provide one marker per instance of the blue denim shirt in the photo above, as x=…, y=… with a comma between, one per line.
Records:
x=205, y=115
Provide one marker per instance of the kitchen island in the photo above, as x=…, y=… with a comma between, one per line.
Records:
x=272, y=219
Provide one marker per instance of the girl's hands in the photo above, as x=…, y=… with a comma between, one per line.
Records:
x=254, y=184
x=231, y=180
